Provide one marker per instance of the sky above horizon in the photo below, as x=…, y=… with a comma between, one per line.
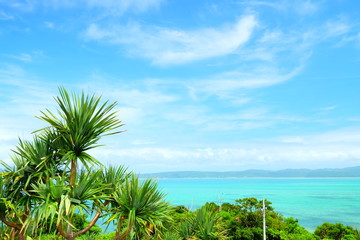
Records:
x=201, y=85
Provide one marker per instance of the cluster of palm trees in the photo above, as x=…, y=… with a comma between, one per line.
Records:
x=53, y=178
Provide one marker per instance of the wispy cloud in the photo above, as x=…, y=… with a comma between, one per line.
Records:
x=324, y=150
x=232, y=81
x=49, y=25
x=5, y=16
x=25, y=57
x=137, y=5
x=307, y=7
x=164, y=46
x=350, y=135
x=275, y=5
x=328, y=108
x=110, y=6
x=302, y=7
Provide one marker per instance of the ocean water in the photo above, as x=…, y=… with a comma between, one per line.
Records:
x=311, y=201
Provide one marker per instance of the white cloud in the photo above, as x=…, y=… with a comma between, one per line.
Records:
x=328, y=108
x=336, y=27
x=350, y=135
x=138, y=98
x=5, y=16
x=228, y=84
x=165, y=46
x=131, y=115
x=50, y=25
x=22, y=98
x=24, y=57
x=307, y=7
x=110, y=6
x=299, y=7
x=268, y=155
x=124, y=5
x=262, y=3
x=332, y=149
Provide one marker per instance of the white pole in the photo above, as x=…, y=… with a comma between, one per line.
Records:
x=264, y=221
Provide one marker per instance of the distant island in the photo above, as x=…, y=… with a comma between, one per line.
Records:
x=286, y=173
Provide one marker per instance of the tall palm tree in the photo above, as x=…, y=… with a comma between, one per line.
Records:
x=80, y=123
x=48, y=166
x=77, y=127
x=139, y=209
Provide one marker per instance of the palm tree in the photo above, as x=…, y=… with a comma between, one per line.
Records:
x=47, y=187
x=204, y=222
x=80, y=123
x=60, y=202
x=139, y=209
x=44, y=183
x=17, y=200
x=77, y=127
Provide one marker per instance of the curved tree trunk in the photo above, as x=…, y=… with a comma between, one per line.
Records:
x=91, y=224
x=16, y=227
x=69, y=235
x=125, y=234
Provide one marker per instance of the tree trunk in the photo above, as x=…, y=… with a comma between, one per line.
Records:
x=68, y=234
x=125, y=234
x=16, y=227
x=21, y=236
x=73, y=173
x=12, y=233
x=91, y=224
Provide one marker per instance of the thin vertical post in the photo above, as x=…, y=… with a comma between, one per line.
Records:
x=264, y=219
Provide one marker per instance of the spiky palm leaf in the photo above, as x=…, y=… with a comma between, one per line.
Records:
x=60, y=201
x=17, y=199
x=80, y=122
x=140, y=208
x=204, y=221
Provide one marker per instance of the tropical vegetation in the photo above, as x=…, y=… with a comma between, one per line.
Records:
x=55, y=189
x=53, y=179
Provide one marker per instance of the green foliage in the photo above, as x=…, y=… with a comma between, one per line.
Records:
x=139, y=208
x=45, y=192
x=80, y=122
x=242, y=220
x=204, y=221
x=336, y=231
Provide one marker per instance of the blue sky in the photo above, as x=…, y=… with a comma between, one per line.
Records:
x=201, y=85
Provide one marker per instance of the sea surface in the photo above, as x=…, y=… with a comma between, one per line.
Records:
x=312, y=201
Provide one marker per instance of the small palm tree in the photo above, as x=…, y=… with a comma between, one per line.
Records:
x=17, y=200
x=60, y=202
x=139, y=209
x=172, y=235
x=204, y=221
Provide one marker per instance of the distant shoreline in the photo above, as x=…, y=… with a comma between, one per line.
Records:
x=143, y=177
x=350, y=172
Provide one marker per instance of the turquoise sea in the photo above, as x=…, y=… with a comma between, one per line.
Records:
x=311, y=201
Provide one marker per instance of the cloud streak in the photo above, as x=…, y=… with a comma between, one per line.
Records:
x=269, y=154
x=164, y=46
x=110, y=6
